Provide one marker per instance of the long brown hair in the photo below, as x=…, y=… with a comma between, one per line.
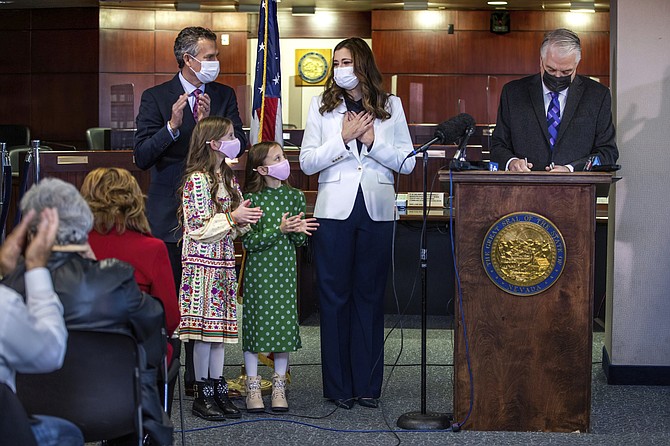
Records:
x=375, y=99
x=116, y=200
x=254, y=181
x=201, y=158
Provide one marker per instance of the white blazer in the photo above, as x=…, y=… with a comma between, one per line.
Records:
x=342, y=170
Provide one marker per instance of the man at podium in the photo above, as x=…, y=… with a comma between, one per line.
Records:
x=556, y=120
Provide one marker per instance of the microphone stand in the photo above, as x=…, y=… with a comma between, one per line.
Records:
x=459, y=161
x=423, y=419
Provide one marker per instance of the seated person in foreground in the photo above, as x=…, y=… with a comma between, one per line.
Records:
x=33, y=337
x=100, y=295
x=121, y=231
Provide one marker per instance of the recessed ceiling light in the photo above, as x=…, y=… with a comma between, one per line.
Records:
x=497, y=3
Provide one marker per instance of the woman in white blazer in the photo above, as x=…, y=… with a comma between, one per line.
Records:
x=356, y=137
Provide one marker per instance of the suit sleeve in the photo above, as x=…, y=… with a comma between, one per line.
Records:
x=604, y=144
x=319, y=151
x=152, y=137
x=393, y=154
x=501, y=143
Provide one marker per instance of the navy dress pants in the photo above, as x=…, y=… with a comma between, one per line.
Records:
x=352, y=263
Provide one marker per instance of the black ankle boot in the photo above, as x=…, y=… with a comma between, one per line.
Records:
x=204, y=405
x=221, y=397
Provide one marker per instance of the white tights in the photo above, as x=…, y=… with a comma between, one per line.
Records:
x=208, y=360
x=251, y=363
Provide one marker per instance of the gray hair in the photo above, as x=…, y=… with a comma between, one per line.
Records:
x=75, y=217
x=564, y=40
x=187, y=42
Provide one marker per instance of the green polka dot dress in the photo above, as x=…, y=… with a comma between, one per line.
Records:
x=270, y=314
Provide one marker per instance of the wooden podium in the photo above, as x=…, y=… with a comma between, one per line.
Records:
x=529, y=350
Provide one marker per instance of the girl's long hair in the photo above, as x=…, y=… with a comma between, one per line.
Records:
x=201, y=158
x=375, y=99
x=254, y=181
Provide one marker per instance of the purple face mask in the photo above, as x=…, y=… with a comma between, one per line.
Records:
x=229, y=148
x=280, y=170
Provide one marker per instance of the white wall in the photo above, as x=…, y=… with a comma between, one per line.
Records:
x=295, y=100
x=638, y=320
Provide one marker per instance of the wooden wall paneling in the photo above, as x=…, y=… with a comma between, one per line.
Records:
x=414, y=20
x=473, y=21
x=141, y=82
x=420, y=52
x=595, y=54
x=233, y=57
x=233, y=80
x=178, y=20
x=164, y=51
x=127, y=51
x=65, y=18
x=482, y=52
x=160, y=78
x=439, y=99
x=229, y=21
x=60, y=112
x=322, y=25
x=61, y=51
x=600, y=21
x=14, y=91
x=15, y=19
x=16, y=43
x=113, y=18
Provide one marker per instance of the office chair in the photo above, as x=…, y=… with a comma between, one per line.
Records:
x=98, y=387
x=97, y=138
x=15, y=135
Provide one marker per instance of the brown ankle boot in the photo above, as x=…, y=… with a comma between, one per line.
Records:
x=279, y=401
x=254, y=397
x=221, y=397
x=204, y=405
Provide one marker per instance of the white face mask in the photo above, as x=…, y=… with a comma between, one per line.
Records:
x=345, y=78
x=209, y=70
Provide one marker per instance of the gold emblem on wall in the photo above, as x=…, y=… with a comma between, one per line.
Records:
x=312, y=66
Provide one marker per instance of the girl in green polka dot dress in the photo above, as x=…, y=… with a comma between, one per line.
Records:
x=270, y=316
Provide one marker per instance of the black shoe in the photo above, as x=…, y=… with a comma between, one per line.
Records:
x=204, y=405
x=221, y=397
x=369, y=402
x=344, y=404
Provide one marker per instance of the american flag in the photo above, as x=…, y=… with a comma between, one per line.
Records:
x=266, y=120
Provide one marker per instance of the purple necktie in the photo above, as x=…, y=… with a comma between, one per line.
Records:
x=553, y=118
x=196, y=93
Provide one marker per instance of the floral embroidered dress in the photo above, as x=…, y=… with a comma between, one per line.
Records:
x=270, y=314
x=207, y=298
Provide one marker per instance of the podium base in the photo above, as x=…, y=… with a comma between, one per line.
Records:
x=428, y=420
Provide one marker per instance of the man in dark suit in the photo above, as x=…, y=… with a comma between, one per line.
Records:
x=556, y=120
x=166, y=119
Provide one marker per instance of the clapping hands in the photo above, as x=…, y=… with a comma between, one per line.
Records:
x=297, y=223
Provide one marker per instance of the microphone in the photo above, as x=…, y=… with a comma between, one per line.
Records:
x=448, y=132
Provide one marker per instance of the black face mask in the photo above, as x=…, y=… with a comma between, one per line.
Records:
x=556, y=84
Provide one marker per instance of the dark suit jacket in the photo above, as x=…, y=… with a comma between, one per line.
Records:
x=155, y=149
x=586, y=125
